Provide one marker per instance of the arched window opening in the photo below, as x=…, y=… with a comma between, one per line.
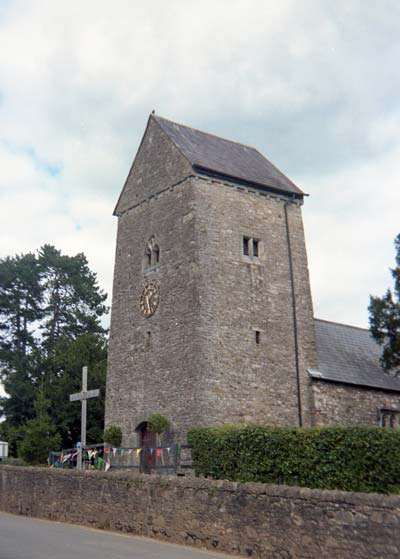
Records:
x=148, y=257
x=156, y=254
x=152, y=253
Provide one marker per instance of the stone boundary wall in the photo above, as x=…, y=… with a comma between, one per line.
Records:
x=253, y=520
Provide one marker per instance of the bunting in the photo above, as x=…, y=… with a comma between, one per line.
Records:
x=66, y=458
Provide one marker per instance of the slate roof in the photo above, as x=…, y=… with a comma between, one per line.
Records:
x=215, y=156
x=349, y=355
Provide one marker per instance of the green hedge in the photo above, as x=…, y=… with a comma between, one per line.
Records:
x=349, y=458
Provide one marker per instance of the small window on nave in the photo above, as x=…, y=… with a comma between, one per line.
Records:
x=151, y=254
x=389, y=419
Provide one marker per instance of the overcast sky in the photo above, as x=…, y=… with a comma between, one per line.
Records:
x=314, y=85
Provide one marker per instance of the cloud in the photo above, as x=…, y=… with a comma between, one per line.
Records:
x=314, y=85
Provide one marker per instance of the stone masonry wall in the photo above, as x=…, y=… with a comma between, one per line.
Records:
x=245, y=381
x=253, y=520
x=154, y=362
x=340, y=404
x=196, y=360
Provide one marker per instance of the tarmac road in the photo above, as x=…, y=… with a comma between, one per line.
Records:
x=30, y=538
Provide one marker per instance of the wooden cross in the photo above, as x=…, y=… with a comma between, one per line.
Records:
x=83, y=397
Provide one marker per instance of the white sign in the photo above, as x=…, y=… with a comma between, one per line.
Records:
x=3, y=450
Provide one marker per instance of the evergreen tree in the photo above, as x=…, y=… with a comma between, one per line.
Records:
x=73, y=303
x=70, y=357
x=40, y=435
x=50, y=326
x=20, y=309
x=384, y=318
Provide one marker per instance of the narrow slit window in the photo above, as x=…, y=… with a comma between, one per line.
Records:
x=255, y=248
x=148, y=339
x=257, y=337
x=156, y=254
x=246, y=246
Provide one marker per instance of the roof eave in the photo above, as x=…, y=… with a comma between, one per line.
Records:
x=317, y=375
x=239, y=180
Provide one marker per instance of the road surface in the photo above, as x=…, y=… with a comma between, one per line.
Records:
x=30, y=538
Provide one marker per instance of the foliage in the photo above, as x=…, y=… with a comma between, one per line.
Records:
x=348, y=458
x=40, y=435
x=50, y=327
x=12, y=435
x=384, y=318
x=157, y=423
x=69, y=358
x=113, y=435
x=72, y=302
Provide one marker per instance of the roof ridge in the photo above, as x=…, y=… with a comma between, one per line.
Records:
x=211, y=134
x=341, y=324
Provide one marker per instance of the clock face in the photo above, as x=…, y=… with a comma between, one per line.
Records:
x=149, y=299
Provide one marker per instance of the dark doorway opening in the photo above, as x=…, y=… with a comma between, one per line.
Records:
x=148, y=442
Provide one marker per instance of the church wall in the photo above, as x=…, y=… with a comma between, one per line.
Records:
x=157, y=165
x=155, y=362
x=196, y=359
x=245, y=381
x=341, y=404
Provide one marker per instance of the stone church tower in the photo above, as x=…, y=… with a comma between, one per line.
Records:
x=212, y=318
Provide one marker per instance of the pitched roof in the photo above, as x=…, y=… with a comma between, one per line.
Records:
x=350, y=355
x=215, y=156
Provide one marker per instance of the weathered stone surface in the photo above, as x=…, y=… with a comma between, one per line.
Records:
x=253, y=520
x=196, y=359
x=340, y=404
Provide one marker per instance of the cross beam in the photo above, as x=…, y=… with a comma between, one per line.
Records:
x=83, y=397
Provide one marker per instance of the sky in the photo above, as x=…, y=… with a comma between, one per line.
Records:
x=313, y=84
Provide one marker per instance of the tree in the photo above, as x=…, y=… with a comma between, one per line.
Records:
x=40, y=435
x=20, y=309
x=73, y=303
x=70, y=356
x=384, y=318
x=50, y=326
